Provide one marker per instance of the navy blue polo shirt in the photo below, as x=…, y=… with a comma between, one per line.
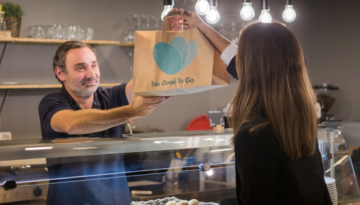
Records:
x=88, y=190
x=104, y=98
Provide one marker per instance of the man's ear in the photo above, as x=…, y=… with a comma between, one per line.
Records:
x=59, y=73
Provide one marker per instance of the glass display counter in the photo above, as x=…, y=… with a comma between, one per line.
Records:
x=134, y=169
x=341, y=160
x=150, y=168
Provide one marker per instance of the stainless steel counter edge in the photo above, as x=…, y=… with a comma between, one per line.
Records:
x=30, y=149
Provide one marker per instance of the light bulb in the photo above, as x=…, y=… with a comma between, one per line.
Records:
x=213, y=16
x=247, y=12
x=265, y=16
x=167, y=8
x=202, y=7
x=289, y=13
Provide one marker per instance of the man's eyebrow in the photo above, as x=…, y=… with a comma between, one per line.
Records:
x=83, y=64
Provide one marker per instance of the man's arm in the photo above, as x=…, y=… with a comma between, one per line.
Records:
x=95, y=120
x=129, y=91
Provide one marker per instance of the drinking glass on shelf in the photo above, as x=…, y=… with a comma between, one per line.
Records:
x=80, y=33
x=128, y=29
x=37, y=31
x=157, y=23
x=129, y=36
x=146, y=24
x=49, y=31
x=71, y=32
x=60, y=31
x=137, y=21
x=89, y=33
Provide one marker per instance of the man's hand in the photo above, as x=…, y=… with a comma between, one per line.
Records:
x=142, y=106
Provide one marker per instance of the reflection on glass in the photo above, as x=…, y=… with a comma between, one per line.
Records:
x=37, y=148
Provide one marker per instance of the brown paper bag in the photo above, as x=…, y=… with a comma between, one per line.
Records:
x=168, y=63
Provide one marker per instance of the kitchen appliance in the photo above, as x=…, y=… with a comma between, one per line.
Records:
x=24, y=171
x=325, y=95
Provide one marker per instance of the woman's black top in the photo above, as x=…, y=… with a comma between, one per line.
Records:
x=266, y=175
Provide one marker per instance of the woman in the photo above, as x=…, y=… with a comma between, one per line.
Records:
x=276, y=155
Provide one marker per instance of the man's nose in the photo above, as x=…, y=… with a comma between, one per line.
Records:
x=91, y=72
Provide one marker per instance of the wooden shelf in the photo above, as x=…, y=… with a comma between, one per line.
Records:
x=59, y=41
x=55, y=41
x=43, y=86
x=126, y=44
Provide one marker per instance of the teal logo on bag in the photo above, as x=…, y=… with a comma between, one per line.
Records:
x=176, y=56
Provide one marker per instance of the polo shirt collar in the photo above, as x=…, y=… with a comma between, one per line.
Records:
x=74, y=104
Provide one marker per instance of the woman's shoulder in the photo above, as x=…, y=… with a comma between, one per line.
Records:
x=248, y=130
x=264, y=136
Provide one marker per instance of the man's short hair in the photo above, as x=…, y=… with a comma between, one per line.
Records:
x=59, y=58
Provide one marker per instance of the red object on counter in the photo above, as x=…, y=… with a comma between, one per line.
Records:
x=199, y=123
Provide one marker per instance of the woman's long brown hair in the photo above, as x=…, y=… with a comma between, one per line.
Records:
x=274, y=88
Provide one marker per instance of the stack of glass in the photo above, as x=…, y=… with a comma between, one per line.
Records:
x=138, y=22
x=61, y=31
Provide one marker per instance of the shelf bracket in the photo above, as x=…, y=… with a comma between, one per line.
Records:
x=3, y=101
x=2, y=54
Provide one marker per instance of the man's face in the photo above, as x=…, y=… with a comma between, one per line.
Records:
x=82, y=75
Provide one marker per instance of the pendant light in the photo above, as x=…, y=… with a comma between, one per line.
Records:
x=168, y=6
x=265, y=16
x=289, y=13
x=247, y=11
x=213, y=16
x=202, y=7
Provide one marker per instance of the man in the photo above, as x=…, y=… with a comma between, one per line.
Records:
x=82, y=108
